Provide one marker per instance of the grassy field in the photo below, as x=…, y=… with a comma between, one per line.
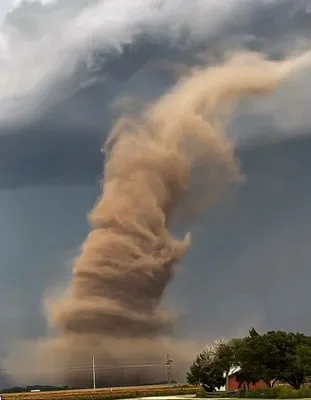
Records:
x=109, y=394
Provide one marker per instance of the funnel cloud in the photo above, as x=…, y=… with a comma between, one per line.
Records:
x=112, y=307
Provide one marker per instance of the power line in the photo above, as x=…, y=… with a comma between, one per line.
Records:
x=98, y=366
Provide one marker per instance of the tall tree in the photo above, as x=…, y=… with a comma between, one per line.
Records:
x=302, y=360
x=206, y=371
x=225, y=354
x=275, y=355
x=293, y=355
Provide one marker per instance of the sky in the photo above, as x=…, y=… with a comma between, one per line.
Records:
x=6, y=5
x=62, y=65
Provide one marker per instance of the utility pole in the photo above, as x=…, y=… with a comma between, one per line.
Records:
x=94, y=375
x=168, y=369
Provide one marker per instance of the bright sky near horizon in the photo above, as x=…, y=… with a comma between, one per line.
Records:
x=5, y=6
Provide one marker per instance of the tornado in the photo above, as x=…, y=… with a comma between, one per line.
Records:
x=112, y=308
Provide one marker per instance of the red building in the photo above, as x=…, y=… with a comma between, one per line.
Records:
x=233, y=384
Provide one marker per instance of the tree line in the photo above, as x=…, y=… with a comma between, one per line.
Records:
x=275, y=356
x=41, y=388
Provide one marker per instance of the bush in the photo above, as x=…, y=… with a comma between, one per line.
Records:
x=278, y=392
x=221, y=394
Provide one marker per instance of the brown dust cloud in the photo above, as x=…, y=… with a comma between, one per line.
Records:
x=112, y=307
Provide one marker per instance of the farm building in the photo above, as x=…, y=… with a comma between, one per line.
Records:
x=234, y=385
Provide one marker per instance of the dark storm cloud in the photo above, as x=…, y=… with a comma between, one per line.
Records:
x=41, y=150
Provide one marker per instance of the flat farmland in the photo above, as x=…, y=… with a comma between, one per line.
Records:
x=106, y=393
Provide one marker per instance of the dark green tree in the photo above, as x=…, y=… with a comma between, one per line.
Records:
x=276, y=355
x=225, y=354
x=194, y=375
x=294, y=357
x=303, y=360
x=283, y=353
x=245, y=379
x=257, y=359
x=206, y=371
x=271, y=357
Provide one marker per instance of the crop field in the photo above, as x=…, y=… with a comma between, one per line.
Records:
x=105, y=394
